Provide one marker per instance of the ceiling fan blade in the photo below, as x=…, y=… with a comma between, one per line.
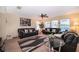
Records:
x=43, y=15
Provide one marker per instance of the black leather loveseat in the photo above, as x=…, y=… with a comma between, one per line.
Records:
x=71, y=41
x=27, y=32
x=51, y=30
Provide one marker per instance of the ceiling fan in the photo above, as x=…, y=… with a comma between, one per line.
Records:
x=43, y=15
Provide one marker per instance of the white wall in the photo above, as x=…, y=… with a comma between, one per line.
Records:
x=0, y=25
x=12, y=25
x=3, y=25
x=9, y=24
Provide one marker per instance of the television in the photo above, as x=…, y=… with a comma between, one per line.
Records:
x=64, y=25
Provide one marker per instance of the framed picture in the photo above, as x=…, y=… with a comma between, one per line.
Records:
x=25, y=21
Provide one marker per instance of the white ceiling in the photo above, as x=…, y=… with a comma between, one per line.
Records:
x=37, y=10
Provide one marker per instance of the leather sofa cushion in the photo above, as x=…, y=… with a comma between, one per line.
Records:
x=68, y=38
x=30, y=30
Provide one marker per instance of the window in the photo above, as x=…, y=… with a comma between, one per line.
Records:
x=47, y=25
x=65, y=24
x=54, y=24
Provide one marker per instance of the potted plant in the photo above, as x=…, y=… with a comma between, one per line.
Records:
x=41, y=25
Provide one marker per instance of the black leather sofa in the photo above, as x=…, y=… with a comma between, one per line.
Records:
x=26, y=32
x=51, y=30
x=46, y=32
x=71, y=41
